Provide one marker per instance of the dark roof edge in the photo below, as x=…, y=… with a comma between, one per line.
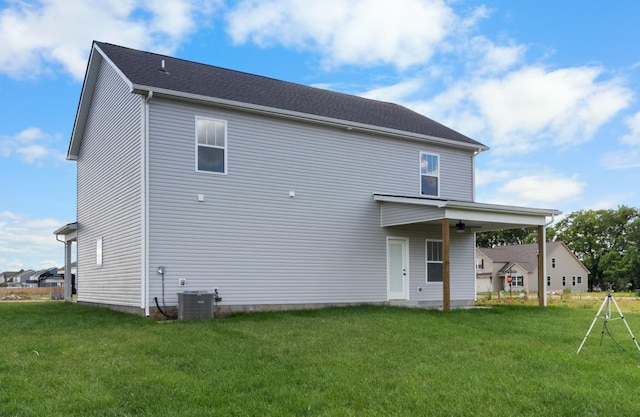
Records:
x=306, y=117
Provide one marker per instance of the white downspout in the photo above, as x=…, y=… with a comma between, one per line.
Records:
x=145, y=206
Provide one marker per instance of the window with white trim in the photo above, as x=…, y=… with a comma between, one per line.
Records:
x=517, y=280
x=433, y=255
x=429, y=174
x=548, y=281
x=211, y=145
x=564, y=281
x=579, y=279
x=573, y=281
x=553, y=262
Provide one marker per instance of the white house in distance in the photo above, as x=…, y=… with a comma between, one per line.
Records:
x=495, y=265
x=194, y=177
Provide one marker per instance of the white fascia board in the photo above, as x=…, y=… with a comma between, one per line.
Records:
x=289, y=114
x=502, y=208
x=467, y=205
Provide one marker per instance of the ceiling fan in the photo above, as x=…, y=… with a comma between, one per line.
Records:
x=461, y=227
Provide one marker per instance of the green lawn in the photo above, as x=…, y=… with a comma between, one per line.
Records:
x=60, y=359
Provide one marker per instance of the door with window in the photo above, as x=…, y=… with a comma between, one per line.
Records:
x=397, y=268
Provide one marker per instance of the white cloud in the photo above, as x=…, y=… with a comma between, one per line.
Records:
x=531, y=107
x=633, y=137
x=484, y=56
x=619, y=160
x=37, y=35
x=32, y=146
x=28, y=243
x=395, y=93
x=567, y=105
x=546, y=188
x=485, y=176
x=359, y=32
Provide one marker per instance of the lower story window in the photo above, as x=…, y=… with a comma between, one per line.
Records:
x=517, y=280
x=548, y=281
x=434, y=260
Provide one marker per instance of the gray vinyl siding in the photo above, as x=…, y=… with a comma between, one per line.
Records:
x=109, y=195
x=257, y=245
x=396, y=214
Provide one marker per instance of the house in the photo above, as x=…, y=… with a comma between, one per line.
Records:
x=7, y=275
x=20, y=279
x=494, y=267
x=277, y=195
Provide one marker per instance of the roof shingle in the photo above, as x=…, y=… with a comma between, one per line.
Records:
x=143, y=69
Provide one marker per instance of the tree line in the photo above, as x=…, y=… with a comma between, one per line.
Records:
x=607, y=242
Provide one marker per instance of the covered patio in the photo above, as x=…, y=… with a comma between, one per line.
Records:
x=465, y=217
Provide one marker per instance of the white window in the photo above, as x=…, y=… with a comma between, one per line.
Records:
x=99, y=251
x=548, y=281
x=564, y=281
x=517, y=280
x=553, y=262
x=579, y=280
x=211, y=145
x=480, y=263
x=429, y=174
x=573, y=281
x=434, y=260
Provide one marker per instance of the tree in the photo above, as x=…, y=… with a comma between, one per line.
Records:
x=606, y=243
x=511, y=237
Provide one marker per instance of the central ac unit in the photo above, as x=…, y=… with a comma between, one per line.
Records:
x=195, y=305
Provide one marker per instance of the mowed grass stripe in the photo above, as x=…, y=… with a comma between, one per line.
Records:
x=71, y=360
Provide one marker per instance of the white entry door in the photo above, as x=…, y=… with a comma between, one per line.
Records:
x=397, y=264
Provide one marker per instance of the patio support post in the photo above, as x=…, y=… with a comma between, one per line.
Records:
x=446, y=271
x=542, y=260
x=67, y=271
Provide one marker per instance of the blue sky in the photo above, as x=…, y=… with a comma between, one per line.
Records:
x=552, y=87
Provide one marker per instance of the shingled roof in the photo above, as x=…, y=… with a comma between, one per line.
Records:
x=526, y=255
x=143, y=70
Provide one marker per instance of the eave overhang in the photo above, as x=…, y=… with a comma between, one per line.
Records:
x=478, y=217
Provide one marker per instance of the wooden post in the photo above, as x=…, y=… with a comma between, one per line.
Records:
x=541, y=263
x=446, y=270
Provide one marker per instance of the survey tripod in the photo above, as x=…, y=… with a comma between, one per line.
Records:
x=606, y=307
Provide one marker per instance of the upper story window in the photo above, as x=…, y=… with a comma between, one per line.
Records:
x=480, y=263
x=553, y=262
x=211, y=145
x=429, y=174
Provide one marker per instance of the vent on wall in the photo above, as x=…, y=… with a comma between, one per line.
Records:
x=195, y=305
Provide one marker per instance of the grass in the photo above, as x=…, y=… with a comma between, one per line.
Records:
x=61, y=359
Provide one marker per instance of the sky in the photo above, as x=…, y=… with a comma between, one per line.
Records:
x=552, y=87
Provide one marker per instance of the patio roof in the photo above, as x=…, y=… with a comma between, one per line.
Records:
x=478, y=217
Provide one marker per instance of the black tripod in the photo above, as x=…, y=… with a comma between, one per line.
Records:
x=606, y=306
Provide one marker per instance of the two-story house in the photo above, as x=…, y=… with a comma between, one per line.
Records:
x=495, y=267
x=278, y=195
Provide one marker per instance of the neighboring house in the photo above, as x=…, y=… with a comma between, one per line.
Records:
x=21, y=278
x=193, y=177
x=7, y=275
x=520, y=262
